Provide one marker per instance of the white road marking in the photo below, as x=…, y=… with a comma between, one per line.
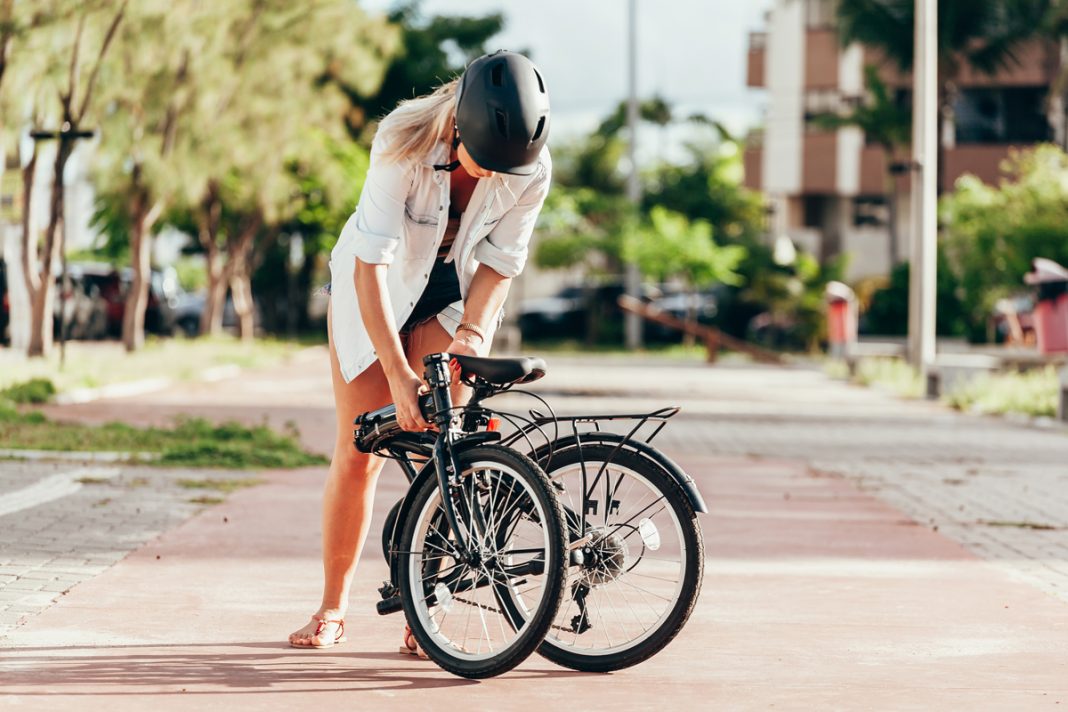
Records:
x=51, y=488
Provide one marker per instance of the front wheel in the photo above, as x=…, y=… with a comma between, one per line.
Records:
x=642, y=564
x=453, y=598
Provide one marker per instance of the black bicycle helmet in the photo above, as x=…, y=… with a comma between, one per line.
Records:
x=502, y=112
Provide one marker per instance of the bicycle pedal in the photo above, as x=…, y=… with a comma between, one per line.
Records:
x=389, y=605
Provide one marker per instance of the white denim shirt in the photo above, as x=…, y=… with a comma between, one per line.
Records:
x=400, y=221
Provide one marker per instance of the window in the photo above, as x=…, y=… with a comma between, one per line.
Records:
x=1005, y=115
x=870, y=211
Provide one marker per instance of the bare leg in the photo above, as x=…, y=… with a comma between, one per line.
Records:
x=350, y=485
x=349, y=495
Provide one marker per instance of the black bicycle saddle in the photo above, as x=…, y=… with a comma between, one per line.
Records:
x=501, y=371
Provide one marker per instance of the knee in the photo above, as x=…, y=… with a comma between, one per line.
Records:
x=354, y=466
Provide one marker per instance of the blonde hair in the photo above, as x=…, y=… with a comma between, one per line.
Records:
x=416, y=125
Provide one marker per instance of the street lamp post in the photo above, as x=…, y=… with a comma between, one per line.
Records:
x=632, y=325
x=922, y=277
x=66, y=135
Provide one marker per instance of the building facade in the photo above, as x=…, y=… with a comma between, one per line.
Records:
x=828, y=190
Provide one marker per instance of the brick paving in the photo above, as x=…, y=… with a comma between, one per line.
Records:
x=997, y=486
x=46, y=550
x=817, y=594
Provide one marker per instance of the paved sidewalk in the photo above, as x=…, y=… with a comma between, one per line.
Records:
x=819, y=593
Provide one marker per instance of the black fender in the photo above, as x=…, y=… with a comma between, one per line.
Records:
x=398, y=514
x=541, y=456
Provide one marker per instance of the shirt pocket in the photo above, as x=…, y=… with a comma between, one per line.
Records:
x=421, y=224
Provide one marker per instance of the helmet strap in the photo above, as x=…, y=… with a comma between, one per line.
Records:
x=452, y=165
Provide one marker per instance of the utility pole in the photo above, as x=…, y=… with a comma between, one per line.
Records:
x=632, y=324
x=924, y=237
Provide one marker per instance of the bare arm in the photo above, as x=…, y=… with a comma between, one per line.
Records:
x=377, y=314
x=484, y=299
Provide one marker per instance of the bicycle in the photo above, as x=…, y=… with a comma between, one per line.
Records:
x=480, y=524
x=632, y=581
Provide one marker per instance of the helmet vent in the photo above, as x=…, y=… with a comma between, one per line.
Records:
x=538, y=130
x=497, y=75
x=541, y=82
x=502, y=122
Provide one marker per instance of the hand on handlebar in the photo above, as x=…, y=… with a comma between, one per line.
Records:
x=405, y=389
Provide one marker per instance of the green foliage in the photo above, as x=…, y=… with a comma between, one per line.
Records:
x=1030, y=393
x=984, y=34
x=669, y=246
x=191, y=442
x=888, y=312
x=431, y=51
x=35, y=390
x=883, y=120
x=993, y=233
x=890, y=374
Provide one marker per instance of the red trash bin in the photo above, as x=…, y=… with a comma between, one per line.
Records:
x=841, y=317
x=1051, y=309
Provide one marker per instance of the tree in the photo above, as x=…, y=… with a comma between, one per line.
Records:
x=71, y=50
x=983, y=34
x=886, y=124
x=266, y=115
x=666, y=245
x=426, y=56
x=148, y=97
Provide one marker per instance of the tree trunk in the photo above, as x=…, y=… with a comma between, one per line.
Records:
x=21, y=256
x=240, y=263
x=210, y=215
x=41, y=328
x=133, y=315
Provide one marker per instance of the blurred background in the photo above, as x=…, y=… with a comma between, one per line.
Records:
x=183, y=168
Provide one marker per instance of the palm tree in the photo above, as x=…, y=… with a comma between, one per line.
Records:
x=982, y=34
x=885, y=123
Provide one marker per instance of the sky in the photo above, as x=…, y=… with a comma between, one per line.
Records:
x=691, y=52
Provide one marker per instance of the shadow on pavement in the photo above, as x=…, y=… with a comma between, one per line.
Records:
x=183, y=670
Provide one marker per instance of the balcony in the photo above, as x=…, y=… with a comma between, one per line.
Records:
x=754, y=72
x=752, y=163
x=819, y=163
x=821, y=59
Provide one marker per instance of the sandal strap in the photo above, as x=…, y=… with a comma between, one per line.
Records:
x=339, y=622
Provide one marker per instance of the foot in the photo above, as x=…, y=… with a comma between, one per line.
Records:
x=411, y=647
x=326, y=629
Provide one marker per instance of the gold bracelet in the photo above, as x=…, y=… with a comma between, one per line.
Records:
x=474, y=329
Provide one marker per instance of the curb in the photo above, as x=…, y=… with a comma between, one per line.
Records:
x=77, y=456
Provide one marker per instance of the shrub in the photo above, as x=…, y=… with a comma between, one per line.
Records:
x=36, y=390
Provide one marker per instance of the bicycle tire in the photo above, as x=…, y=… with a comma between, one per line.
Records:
x=671, y=624
x=415, y=595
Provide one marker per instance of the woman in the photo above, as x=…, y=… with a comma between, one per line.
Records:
x=455, y=184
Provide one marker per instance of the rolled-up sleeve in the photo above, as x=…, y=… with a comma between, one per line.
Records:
x=373, y=232
x=505, y=248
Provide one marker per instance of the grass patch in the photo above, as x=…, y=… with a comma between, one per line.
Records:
x=93, y=364
x=1031, y=393
x=190, y=442
x=890, y=374
x=35, y=390
x=206, y=499
x=226, y=486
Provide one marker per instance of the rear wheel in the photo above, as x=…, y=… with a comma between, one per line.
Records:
x=452, y=598
x=642, y=563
